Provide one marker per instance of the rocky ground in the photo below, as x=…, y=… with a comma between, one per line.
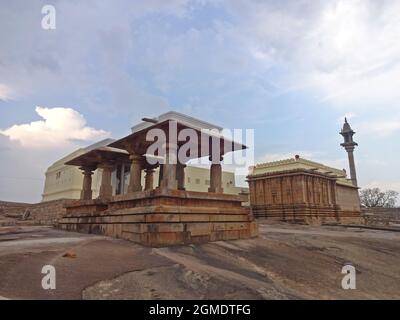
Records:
x=285, y=262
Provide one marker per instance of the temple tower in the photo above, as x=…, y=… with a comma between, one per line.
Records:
x=349, y=145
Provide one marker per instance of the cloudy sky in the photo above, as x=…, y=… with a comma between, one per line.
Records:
x=291, y=70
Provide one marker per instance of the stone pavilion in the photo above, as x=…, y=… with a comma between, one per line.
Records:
x=167, y=214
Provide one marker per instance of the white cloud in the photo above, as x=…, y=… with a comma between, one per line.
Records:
x=60, y=126
x=384, y=185
x=5, y=92
x=380, y=127
x=354, y=48
x=345, y=51
x=386, y=127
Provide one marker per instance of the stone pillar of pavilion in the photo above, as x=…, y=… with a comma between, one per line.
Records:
x=216, y=175
x=180, y=175
x=148, y=179
x=86, y=193
x=106, y=186
x=160, y=174
x=169, y=168
x=135, y=183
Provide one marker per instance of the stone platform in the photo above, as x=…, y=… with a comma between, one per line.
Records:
x=307, y=214
x=163, y=217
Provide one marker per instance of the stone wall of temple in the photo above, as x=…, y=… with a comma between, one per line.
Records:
x=303, y=196
x=348, y=198
x=297, y=195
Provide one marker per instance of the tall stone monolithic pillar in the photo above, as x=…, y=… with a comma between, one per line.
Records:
x=352, y=165
x=349, y=145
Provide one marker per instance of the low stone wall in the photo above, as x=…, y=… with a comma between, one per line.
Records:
x=9, y=204
x=48, y=212
x=395, y=212
x=12, y=208
x=387, y=217
x=11, y=212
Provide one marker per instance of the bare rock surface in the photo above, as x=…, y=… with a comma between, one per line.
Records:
x=285, y=262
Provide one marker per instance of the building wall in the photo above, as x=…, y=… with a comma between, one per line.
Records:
x=303, y=195
x=65, y=182
x=198, y=179
x=297, y=196
x=291, y=188
x=347, y=198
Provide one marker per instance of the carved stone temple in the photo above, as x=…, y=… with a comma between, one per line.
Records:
x=167, y=214
x=303, y=191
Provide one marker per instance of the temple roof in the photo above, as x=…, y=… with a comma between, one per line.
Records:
x=137, y=142
x=106, y=154
x=95, y=157
x=61, y=162
x=300, y=163
x=179, y=117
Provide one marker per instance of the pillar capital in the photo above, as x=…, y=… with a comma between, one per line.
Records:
x=216, y=159
x=106, y=165
x=135, y=157
x=87, y=170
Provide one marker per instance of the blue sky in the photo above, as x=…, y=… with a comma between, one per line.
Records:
x=291, y=70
